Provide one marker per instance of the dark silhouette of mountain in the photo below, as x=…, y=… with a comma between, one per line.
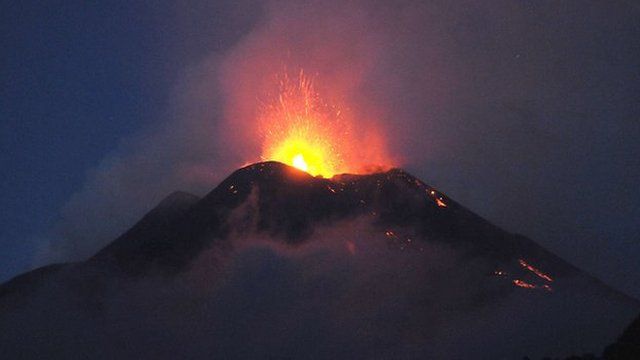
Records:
x=289, y=207
x=628, y=344
x=291, y=203
x=626, y=347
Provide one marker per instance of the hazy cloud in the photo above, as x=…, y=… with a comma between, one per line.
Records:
x=347, y=292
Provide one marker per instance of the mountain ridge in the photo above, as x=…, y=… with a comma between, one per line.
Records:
x=388, y=234
x=179, y=206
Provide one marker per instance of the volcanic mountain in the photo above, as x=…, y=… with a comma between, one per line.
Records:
x=276, y=263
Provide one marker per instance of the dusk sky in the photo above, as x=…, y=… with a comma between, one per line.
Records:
x=525, y=112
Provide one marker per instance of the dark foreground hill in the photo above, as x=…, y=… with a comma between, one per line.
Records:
x=275, y=263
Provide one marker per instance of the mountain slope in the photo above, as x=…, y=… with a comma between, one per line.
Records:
x=290, y=203
x=272, y=246
x=627, y=346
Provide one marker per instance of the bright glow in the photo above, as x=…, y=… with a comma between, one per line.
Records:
x=298, y=161
x=300, y=129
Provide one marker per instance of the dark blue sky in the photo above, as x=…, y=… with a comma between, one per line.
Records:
x=77, y=77
x=530, y=110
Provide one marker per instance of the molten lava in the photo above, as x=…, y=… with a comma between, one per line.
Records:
x=298, y=161
x=535, y=270
x=523, y=284
x=302, y=130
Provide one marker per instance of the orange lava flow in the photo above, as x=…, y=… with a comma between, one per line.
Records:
x=526, y=285
x=523, y=284
x=303, y=131
x=534, y=270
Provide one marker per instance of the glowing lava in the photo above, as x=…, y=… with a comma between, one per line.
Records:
x=535, y=270
x=298, y=161
x=301, y=130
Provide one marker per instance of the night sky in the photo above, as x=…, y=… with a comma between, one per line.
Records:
x=526, y=112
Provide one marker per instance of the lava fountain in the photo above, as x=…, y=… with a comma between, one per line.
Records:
x=302, y=130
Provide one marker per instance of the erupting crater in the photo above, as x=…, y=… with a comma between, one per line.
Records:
x=302, y=130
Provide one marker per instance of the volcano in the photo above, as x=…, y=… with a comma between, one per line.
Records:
x=276, y=263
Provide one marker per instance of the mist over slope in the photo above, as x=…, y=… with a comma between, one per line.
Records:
x=276, y=263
